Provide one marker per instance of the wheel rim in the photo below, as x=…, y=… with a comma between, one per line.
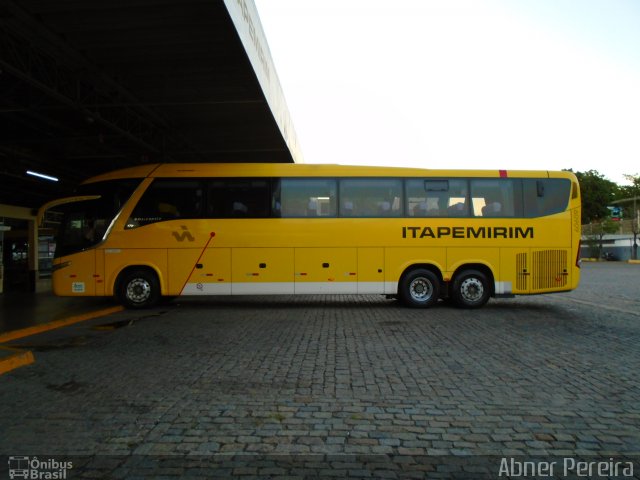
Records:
x=472, y=290
x=420, y=289
x=138, y=290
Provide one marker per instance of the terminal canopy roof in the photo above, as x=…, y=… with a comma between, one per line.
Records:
x=91, y=86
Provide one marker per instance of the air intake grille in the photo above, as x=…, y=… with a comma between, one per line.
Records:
x=521, y=269
x=549, y=269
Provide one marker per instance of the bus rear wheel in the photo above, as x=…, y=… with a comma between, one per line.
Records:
x=138, y=288
x=470, y=289
x=419, y=288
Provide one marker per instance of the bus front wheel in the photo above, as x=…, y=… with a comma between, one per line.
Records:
x=470, y=289
x=419, y=288
x=138, y=288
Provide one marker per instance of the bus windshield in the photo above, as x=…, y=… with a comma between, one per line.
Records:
x=85, y=223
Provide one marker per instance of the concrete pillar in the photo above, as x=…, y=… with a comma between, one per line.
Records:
x=2, y=230
x=33, y=255
x=24, y=213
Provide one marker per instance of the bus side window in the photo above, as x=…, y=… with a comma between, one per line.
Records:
x=239, y=198
x=424, y=197
x=371, y=197
x=456, y=199
x=308, y=197
x=545, y=196
x=436, y=197
x=495, y=197
x=168, y=199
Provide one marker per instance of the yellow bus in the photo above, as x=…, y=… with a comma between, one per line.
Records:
x=166, y=230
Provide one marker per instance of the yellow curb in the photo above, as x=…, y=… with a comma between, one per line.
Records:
x=45, y=327
x=637, y=262
x=589, y=259
x=20, y=358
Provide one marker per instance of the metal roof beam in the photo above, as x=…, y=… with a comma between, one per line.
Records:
x=24, y=62
x=36, y=63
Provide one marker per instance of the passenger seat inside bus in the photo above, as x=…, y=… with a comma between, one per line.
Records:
x=493, y=209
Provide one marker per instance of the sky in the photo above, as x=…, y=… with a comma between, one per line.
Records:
x=464, y=84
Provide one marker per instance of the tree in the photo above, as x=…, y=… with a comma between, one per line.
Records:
x=629, y=191
x=597, y=194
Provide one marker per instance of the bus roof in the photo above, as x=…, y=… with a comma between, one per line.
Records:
x=312, y=170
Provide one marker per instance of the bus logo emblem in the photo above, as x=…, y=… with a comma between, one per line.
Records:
x=185, y=234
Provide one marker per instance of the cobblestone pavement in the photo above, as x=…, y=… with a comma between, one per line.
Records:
x=339, y=385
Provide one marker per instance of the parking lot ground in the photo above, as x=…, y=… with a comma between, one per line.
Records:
x=11, y=358
x=357, y=386
x=23, y=311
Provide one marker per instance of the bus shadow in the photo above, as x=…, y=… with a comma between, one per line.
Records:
x=501, y=307
x=286, y=302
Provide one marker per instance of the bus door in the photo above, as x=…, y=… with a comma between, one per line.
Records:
x=326, y=270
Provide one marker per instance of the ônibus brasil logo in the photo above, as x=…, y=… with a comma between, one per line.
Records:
x=34, y=468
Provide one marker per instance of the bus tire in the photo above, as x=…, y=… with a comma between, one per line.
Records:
x=470, y=289
x=419, y=288
x=138, y=288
